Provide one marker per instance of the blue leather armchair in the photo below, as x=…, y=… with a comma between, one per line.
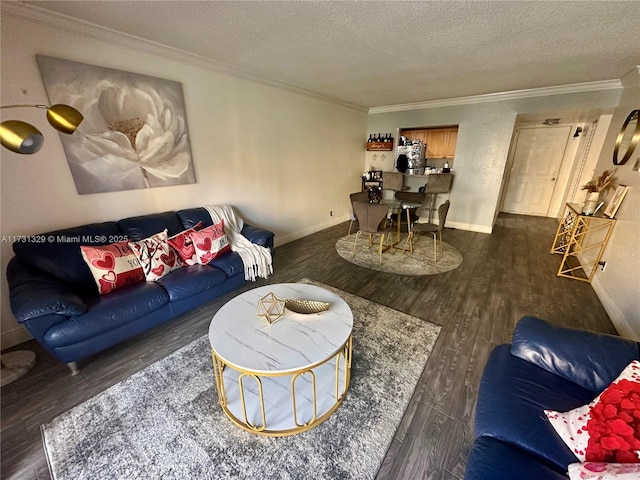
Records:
x=545, y=367
x=53, y=294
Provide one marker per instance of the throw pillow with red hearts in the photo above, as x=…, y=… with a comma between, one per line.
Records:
x=210, y=242
x=156, y=257
x=608, y=428
x=183, y=245
x=112, y=266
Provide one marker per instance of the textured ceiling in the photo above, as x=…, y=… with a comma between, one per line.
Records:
x=387, y=53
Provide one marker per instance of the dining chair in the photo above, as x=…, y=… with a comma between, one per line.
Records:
x=356, y=197
x=392, y=182
x=416, y=197
x=432, y=228
x=372, y=220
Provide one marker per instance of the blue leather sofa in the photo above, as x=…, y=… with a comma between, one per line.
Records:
x=53, y=294
x=545, y=367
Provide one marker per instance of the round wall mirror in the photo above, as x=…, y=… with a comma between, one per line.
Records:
x=627, y=139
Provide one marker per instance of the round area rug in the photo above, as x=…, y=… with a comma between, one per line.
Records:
x=420, y=262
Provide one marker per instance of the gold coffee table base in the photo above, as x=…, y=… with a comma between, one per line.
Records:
x=243, y=399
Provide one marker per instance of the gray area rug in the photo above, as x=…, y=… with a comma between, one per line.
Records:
x=420, y=262
x=165, y=422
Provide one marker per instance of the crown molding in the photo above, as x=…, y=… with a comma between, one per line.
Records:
x=632, y=77
x=502, y=96
x=91, y=31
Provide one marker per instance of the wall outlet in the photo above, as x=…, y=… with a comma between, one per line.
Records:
x=331, y=213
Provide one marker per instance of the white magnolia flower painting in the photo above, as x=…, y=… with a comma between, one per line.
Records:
x=134, y=134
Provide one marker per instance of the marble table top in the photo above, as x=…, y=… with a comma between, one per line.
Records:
x=294, y=342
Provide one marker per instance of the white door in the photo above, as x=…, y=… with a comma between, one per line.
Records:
x=536, y=161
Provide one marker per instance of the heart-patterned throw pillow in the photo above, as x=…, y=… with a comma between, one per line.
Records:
x=210, y=242
x=183, y=245
x=156, y=256
x=608, y=428
x=112, y=266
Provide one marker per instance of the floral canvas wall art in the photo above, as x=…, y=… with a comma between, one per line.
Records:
x=134, y=134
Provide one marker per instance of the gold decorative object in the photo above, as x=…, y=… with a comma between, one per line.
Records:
x=270, y=308
x=601, y=183
x=627, y=139
x=24, y=138
x=581, y=240
x=306, y=306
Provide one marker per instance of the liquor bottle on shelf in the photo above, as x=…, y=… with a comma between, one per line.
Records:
x=370, y=138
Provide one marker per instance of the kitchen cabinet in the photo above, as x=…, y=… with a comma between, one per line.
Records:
x=452, y=141
x=419, y=134
x=408, y=134
x=441, y=142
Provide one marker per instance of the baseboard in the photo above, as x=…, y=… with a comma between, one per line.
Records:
x=615, y=314
x=14, y=337
x=469, y=227
x=281, y=240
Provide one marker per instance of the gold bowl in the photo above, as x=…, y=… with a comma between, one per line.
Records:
x=306, y=306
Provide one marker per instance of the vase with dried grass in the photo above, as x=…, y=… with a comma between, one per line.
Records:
x=594, y=187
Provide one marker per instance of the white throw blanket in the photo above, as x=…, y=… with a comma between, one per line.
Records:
x=256, y=259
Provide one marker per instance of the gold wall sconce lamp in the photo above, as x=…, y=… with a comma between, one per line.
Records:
x=22, y=137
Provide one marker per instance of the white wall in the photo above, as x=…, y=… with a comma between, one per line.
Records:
x=284, y=159
x=618, y=287
x=484, y=137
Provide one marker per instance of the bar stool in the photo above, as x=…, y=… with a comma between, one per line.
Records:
x=436, y=183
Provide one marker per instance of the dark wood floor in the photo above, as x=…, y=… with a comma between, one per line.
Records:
x=503, y=276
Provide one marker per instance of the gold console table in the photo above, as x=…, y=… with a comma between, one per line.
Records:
x=581, y=240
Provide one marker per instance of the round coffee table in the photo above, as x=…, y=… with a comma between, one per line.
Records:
x=286, y=377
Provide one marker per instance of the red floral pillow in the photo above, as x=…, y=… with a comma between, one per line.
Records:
x=607, y=429
x=156, y=257
x=210, y=242
x=112, y=266
x=183, y=245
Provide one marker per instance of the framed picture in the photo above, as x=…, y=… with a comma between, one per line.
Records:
x=616, y=200
x=134, y=133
